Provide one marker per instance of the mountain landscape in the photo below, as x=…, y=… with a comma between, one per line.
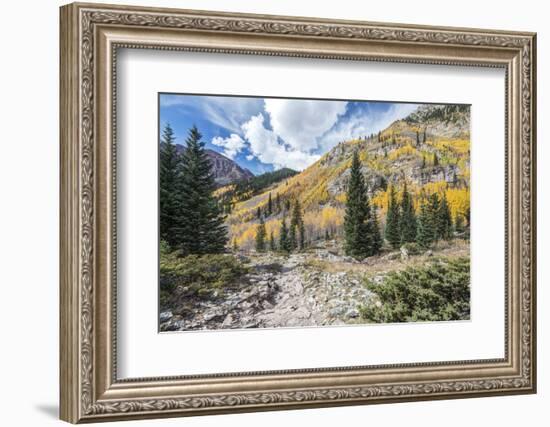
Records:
x=292, y=256
x=225, y=170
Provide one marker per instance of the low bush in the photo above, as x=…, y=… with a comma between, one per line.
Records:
x=439, y=290
x=199, y=274
x=412, y=248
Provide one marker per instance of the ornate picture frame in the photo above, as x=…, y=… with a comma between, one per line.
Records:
x=90, y=37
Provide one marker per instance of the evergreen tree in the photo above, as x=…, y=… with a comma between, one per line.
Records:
x=358, y=221
x=284, y=244
x=200, y=226
x=235, y=245
x=269, y=206
x=374, y=230
x=302, y=236
x=424, y=139
x=392, y=232
x=272, y=245
x=425, y=228
x=168, y=177
x=278, y=202
x=327, y=234
x=433, y=211
x=287, y=204
x=417, y=138
x=467, y=227
x=444, y=219
x=258, y=213
x=260, y=235
x=423, y=166
x=407, y=218
x=459, y=224
x=296, y=230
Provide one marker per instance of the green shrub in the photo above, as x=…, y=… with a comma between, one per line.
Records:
x=412, y=248
x=439, y=290
x=200, y=274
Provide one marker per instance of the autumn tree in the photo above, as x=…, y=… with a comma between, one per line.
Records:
x=407, y=217
x=272, y=245
x=392, y=232
x=200, y=225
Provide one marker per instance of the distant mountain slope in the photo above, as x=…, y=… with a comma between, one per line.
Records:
x=225, y=170
x=429, y=150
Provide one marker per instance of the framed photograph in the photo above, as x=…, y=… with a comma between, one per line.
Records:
x=266, y=212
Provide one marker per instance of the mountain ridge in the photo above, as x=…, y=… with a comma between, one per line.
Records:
x=225, y=170
x=429, y=149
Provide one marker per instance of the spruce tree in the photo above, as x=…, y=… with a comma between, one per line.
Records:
x=433, y=211
x=425, y=229
x=423, y=166
x=358, y=222
x=436, y=160
x=278, y=202
x=284, y=244
x=417, y=138
x=260, y=235
x=459, y=224
x=200, y=225
x=258, y=213
x=444, y=219
x=269, y=206
x=168, y=177
x=392, y=232
x=375, y=231
x=407, y=218
x=296, y=230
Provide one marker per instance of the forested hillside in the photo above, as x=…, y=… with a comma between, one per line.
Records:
x=428, y=152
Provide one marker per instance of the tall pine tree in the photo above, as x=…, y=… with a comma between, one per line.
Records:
x=200, y=225
x=168, y=176
x=425, y=226
x=269, y=206
x=284, y=244
x=358, y=221
x=392, y=232
x=407, y=218
x=444, y=219
x=296, y=230
x=260, y=235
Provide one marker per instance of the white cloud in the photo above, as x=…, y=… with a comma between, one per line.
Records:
x=300, y=122
x=250, y=157
x=364, y=123
x=265, y=145
x=231, y=146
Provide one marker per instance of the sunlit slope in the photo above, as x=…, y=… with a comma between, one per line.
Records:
x=429, y=150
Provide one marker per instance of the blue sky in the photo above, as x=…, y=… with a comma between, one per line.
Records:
x=264, y=134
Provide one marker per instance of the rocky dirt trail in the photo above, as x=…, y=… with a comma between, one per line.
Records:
x=279, y=291
x=316, y=288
